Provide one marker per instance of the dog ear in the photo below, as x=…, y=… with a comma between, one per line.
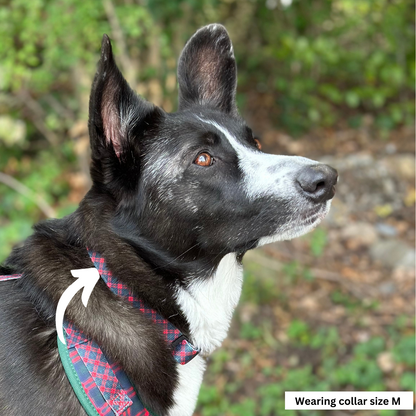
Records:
x=115, y=109
x=207, y=72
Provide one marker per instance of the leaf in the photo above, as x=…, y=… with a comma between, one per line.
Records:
x=352, y=99
x=383, y=210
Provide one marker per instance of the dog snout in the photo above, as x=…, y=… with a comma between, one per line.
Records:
x=318, y=182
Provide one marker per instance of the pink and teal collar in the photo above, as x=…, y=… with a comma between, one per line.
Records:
x=99, y=383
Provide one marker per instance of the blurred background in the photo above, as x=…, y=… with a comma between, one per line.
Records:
x=329, y=80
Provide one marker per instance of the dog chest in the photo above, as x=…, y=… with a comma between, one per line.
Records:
x=209, y=304
x=186, y=393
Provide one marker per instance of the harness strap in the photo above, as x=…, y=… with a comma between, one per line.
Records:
x=103, y=382
x=102, y=387
x=75, y=381
x=10, y=277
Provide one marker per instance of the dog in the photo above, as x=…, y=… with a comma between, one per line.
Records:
x=176, y=201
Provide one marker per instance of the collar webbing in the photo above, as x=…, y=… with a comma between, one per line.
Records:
x=101, y=385
x=182, y=350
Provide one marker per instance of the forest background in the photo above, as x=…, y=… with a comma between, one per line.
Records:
x=332, y=80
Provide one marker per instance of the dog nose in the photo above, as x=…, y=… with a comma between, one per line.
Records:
x=318, y=182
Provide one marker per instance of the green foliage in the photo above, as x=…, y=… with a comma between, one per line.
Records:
x=291, y=270
x=218, y=360
x=11, y=234
x=44, y=40
x=334, y=369
x=361, y=373
x=272, y=395
x=250, y=331
x=405, y=351
x=407, y=381
x=326, y=340
x=388, y=412
x=43, y=175
x=340, y=298
x=321, y=63
x=247, y=407
x=212, y=402
x=299, y=331
x=346, y=56
x=294, y=272
x=258, y=291
x=318, y=241
x=371, y=348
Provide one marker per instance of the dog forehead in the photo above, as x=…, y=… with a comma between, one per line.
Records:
x=206, y=120
x=236, y=133
x=226, y=127
x=185, y=132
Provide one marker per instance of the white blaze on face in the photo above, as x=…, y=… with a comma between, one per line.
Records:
x=265, y=174
x=275, y=176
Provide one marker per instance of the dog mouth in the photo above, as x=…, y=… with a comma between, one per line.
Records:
x=301, y=222
x=308, y=219
x=316, y=214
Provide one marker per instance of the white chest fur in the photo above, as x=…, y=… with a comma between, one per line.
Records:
x=186, y=393
x=209, y=304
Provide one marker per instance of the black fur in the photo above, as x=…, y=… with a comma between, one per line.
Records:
x=150, y=255
x=207, y=71
x=159, y=220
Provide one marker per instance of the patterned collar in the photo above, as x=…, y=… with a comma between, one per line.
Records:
x=99, y=383
x=182, y=350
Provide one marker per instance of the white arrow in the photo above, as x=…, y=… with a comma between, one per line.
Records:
x=87, y=279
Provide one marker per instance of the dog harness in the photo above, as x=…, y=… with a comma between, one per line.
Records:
x=101, y=385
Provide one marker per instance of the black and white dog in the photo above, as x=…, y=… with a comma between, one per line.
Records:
x=177, y=199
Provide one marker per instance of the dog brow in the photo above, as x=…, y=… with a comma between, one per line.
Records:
x=232, y=140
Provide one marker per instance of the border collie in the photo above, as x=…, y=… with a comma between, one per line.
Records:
x=176, y=201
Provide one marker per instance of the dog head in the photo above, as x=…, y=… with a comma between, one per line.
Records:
x=195, y=183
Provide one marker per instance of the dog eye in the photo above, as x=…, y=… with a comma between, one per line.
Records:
x=258, y=144
x=204, y=159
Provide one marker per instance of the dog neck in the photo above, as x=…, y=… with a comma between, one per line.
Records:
x=209, y=304
x=197, y=296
